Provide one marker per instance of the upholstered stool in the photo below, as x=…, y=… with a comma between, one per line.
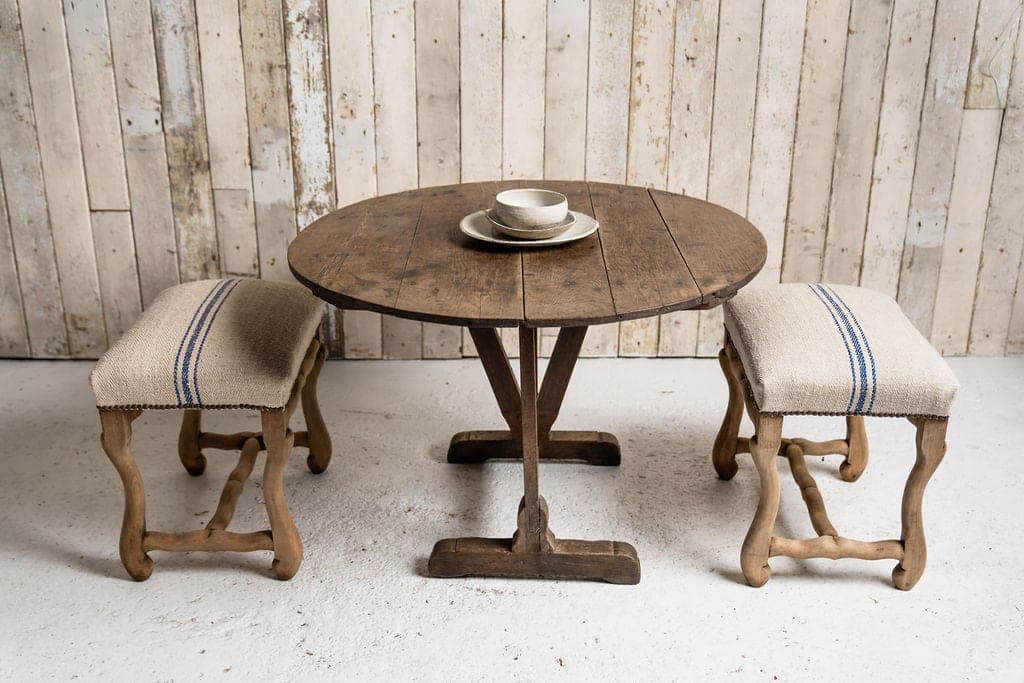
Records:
x=212, y=345
x=828, y=350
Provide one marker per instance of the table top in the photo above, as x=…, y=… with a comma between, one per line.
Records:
x=403, y=254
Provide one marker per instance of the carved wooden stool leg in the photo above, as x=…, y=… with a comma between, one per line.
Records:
x=319, y=439
x=857, y=455
x=287, y=544
x=764, y=448
x=189, y=452
x=724, y=454
x=931, y=447
x=117, y=438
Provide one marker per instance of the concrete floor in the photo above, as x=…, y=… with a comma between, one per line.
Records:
x=361, y=606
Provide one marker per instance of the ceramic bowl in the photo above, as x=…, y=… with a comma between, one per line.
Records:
x=528, y=209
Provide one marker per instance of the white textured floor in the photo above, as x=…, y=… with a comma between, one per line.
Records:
x=361, y=606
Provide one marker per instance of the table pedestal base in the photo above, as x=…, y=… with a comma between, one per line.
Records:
x=595, y=448
x=533, y=552
x=609, y=561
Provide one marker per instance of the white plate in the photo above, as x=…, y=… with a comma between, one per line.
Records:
x=534, y=233
x=478, y=226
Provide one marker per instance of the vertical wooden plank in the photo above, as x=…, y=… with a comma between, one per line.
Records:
x=351, y=86
x=480, y=88
x=355, y=151
x=565, y=106
x=992, y=56
x=739, y=33
x=188, y=157
x=266, y=97
x=608, y=85
x=305, y=41
x=961, y=250
x=227, y=125
x=941, y=115
x=817, y=116
x=611, y=37
x=149, y=189
x=896, y=148
x=771, y=157
x=480, y=43
x=858, y=124
x=60, y=151
x=693, y=92
x=96, y=103
x=522, y=110
x=650, y=118
x=394, y=71
x=998, y=322
x=13, y=332
x=119, y=277
x=437, y=116
x=26, y=199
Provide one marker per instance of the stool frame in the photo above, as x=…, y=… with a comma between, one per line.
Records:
x=768, y=444
x=275, y=438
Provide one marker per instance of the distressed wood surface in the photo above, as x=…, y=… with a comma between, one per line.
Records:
x=858, y=122
x=13, y=333
x=896, y=148
x=223, y=128
x=941, y=114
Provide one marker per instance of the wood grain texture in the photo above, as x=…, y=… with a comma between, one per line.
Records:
x=403, y=254
x=739, y=36
x=522, y=99
x=896, y=150
x=227, y=125
x=184, y=127
x=941, y=115
x=88, y=39
x=859, y=106
x=279, y=112
x=119, y=275
x=13, y=333
x=965, y=227
x=149, y=188
x=996, y=326
x=26, y=197
x=817, y=118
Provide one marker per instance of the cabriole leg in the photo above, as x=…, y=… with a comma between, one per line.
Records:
x=287, y=544
x=724, y=454
x=764, y=448
x=117, y=438
x=319, y=438
x=857, y=455
x=931, y=447
x=189, y=453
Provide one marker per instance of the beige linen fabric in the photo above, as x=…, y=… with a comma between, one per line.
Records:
x=837, y=350
x=233, y=343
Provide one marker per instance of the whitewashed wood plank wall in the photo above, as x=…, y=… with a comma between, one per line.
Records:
x=145, y=143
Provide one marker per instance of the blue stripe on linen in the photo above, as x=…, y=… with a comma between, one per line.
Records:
x=842, y=335
x=867, y=347
x=187, y=361
x=861, y=394
x=199, y=352
x=184, y=338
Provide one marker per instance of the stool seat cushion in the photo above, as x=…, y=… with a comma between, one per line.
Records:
x=835, y=350
x=232, y=343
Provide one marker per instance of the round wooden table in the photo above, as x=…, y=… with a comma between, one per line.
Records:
x=403, y=255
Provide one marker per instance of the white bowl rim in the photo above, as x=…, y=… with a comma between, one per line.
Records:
x=505, y=196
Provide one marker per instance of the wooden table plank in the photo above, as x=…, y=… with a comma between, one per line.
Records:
x=722, y=250
x=569, y=281
x=647, y=273
x=448, y=278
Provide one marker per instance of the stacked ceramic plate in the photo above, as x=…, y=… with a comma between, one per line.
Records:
x=528, y=218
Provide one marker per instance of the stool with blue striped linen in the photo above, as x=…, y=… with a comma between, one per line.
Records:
x=796, y=349
x=216, y=345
